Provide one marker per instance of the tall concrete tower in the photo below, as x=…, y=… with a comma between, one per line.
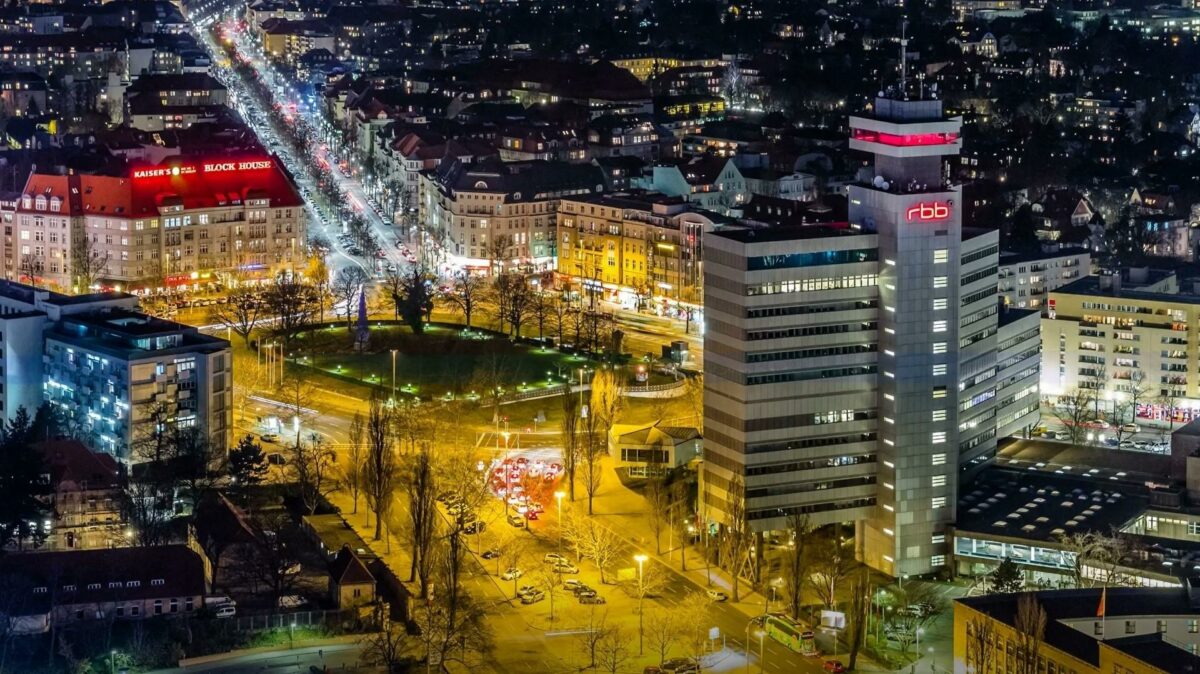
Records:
x=916, y=214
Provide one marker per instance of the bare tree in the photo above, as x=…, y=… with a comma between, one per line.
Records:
x=88, y=263
x=312, y=467
x=540, y=311
x=608, y=387
x=382, y=469
x=293, y=303
x=593, y=540
x=417, y=480
x=981, y=631
x=347, y=283
x=569, y=429
x=795, y=562
x=592, y=633
x=1075, y=410
x=832, y=562
x=663, y=631
x=389, y=648
x=658, y=505
x=1030, y=626
x=274, y=562
x=466, y=294
x=353, y=468
x=242, y=312
x=736, y=536
x=612, y=651
x=856, y=613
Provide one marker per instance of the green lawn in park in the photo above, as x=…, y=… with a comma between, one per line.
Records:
x=442, y=360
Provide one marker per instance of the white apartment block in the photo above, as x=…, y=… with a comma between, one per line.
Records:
x=1025, y=279
x=107, y=367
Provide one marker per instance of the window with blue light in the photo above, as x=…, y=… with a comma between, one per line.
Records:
x=817, y=259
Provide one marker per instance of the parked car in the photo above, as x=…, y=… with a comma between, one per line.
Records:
x=511, y=573
x=679, y=666
x=716, y=595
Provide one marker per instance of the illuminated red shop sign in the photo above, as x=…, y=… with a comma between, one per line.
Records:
x=928, y=211
x=905, y=140
x=206, y=167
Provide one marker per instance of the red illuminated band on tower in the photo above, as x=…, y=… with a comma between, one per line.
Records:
x=928, y=212
x=907, y=140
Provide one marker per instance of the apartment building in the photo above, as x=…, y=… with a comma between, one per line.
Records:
x=1026, y=278
x=157, y=225
x=85, y=497
x=854, y=372
x=1118, y=630
x=634, y=246
x=54, y=589
x=501, y=213
x=109, y=369
x=1126, y=336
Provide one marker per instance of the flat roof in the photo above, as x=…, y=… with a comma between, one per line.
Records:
x=789, y=232
x=1042, y=506
x=1034, y=256
x=1090, y=286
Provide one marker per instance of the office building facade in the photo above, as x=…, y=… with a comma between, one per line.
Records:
x=852, y=373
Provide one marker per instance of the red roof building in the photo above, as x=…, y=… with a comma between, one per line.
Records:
x=182, y=222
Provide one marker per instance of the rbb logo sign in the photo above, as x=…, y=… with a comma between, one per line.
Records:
x=934, y=210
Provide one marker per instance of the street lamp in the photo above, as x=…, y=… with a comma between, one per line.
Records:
x=641, y=559
x=558, y=496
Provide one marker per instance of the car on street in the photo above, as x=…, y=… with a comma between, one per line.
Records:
x=533, y=598
x=516, y=521
x=834, y=666
x=490, y=553
x=554, y=558
x=511, y=573
x=679, y=666
x=716, y=595
x=565, y=567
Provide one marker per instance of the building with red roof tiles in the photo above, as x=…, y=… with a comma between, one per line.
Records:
x=172, y=224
